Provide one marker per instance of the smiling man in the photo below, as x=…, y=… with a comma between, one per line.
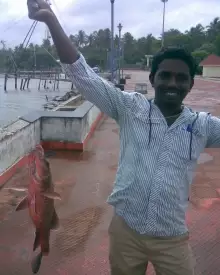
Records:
x=160, y=143
x=172, y=76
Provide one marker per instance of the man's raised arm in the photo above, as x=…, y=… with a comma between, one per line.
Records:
x=95, y=89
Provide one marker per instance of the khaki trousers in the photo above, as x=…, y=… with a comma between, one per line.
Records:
x=130, y=252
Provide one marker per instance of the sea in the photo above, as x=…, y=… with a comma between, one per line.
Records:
x=16, y=103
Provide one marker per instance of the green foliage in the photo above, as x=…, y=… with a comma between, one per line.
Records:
x=200, y=40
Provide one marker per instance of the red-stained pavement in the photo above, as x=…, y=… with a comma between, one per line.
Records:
x=80, y=246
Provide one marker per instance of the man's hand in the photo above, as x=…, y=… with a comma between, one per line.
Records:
x=39, y=10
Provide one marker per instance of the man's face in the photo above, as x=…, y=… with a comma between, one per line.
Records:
x=172, y=82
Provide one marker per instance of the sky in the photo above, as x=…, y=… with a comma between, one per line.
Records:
x=139, y=17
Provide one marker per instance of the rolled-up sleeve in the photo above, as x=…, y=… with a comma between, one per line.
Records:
x=97, y=90
x=213, y=140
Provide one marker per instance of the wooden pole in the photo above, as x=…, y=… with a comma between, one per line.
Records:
x=28, y=82
x=39, y=81
x=58, y=81
x=16, y=81
x=54, y=86
x=5, y=82
x=21, y=84
x=25, y=82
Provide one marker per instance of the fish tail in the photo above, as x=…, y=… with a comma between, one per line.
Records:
x=37, y=240
x=45, y=246
x=36, y=263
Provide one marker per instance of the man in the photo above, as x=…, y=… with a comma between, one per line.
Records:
x=160, y=142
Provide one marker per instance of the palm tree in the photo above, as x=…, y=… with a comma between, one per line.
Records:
x=213, y=29
x=82, y=38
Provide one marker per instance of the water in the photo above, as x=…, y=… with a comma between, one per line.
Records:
x=15, y=103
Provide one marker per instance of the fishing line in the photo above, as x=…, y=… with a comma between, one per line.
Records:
x=27, y=39
x=49, y=53
x=30, y=33
x=34, y=27
x=53, y=58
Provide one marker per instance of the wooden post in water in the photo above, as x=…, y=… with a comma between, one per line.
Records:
x=58, y=81
x=28, y=81
x=39, y=81
x=54, y=86
x=5, y=82
x=21, y=86
x=25, y=82
x=16, y=81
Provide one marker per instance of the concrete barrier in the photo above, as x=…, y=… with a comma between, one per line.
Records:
x=16, y=141
x=70, y=130
x=58, y=130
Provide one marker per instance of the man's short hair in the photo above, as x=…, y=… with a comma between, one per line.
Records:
x=174, y=53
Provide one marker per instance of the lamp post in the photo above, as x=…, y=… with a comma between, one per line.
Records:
x=112, y=39
x=119, y=51
x=164, y=11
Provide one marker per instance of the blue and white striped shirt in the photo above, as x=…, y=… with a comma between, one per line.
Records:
x=152, y=182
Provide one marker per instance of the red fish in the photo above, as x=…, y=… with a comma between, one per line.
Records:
x=40, y=202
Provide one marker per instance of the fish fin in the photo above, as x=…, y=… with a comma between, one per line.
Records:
x=36, y=263
x=36, y=240
x=20, y=189
x=52, y=195
x=55, y=224
x=22, y=204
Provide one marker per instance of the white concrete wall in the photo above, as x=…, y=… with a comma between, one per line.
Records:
x=68, y=129
x=19, y=138
x=61, y=129
x=16, y=141
x=88, y=120
x=210, y=71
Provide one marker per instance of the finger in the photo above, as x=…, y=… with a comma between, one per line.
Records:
x=41, y=3
x=32, y=6
x=36, y=4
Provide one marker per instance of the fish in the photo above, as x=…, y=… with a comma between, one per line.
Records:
x=40, y=203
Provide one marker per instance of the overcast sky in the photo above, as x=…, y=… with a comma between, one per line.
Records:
x=139, y=17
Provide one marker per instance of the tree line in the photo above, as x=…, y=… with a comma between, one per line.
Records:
x=199, y=40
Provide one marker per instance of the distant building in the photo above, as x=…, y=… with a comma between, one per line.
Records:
x=211, y=66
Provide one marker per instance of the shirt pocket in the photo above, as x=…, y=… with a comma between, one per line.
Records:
x=188, y=146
